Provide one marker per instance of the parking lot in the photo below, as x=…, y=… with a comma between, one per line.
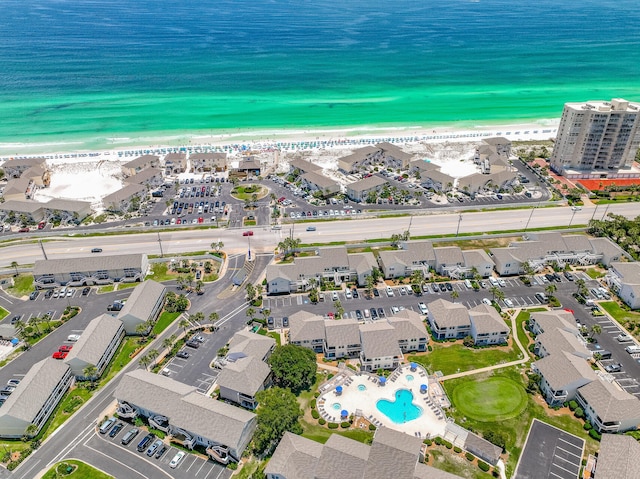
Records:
x=549, y=453
x=191, y=466
x=186, y=366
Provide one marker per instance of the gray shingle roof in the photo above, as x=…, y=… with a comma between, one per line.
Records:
x=358, y=155
x=67, y=205
x=342, y=332
x=245, y=375
x=611, y=403
x=319, y=180
x=7, y=331
x=486, y=319
x=303, y=165
x=475, y=258
x=376, y=341
x=185, y=407
x=564, y=368
x=449, y=255
x=144, y=176
x=408, y=324
x=24, y=162
x=393, y=454
x=630, y=272
x=95, y=339
x=305, y=326
x=550, y=320
x=251, y=344
x=619, y=457
x=143, y=299
x=140, y=161
x=367, y=183
x=34, y=390
x=124, y=193
x=295, y=457
x=556, y=340
x=87, y=263
x=448, y=314
x=342, y=457
x=362, y=262
x=476, y=444
x=21, y=206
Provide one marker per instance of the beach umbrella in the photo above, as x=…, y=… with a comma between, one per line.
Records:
x=413, y=366
x=344, y=413
x=14, y=341
x=339, y=389
x=423, y=388
x=383, y=380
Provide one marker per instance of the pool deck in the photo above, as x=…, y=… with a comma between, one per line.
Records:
x=362, y=403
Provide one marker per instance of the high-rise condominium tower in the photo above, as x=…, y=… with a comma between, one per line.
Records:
x=597, y=137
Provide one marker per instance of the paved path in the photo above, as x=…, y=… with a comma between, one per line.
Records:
x=514, y=332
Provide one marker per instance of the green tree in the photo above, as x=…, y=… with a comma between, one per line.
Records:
x=197, y=317
x=278, y=411
x=144, y=361
x=14, y=264
x=213, y=317
x=30, y=432
x=370, y=284
x=551, y=288
x=142, y=329
x=595, y=329
x=153, y=354
x=251, y=292
x=294, y=367
x=454, y=295
x=167, y=342
x=184, y=324
x=90, y=372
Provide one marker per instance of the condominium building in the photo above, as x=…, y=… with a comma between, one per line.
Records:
x=597, y=139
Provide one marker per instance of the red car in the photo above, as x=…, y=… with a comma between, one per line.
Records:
x=247, y=233
x=59, y=355
x=200, y=219
x=65, y=348
x=23, y=230
x=42, y=224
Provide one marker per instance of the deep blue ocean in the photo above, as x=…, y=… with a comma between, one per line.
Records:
x=92, y=73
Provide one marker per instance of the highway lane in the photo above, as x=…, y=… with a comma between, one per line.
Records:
x=265, y=239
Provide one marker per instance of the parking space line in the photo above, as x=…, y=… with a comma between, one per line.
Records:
x=192, y=463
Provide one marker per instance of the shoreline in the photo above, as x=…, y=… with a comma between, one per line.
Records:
x=294, y=139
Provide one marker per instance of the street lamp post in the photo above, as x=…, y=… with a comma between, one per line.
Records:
x=572, y=215
x=459, y=221
x=249, y=247
x=160, y=243
x=530, y=216
x=594, y=212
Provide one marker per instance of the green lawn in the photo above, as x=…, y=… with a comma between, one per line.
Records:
x=523, y=336
x=106, y=289
x=3, y=313
x=121, y=358
x=122, y=286
x=515, y=428
x=445, y=461
x=246, y=192
x=321, y=434
x=275, y=336
x=495, y=399
x=454, y=358
x=618, y=313
x=159, y=272
x=594, y=273
x=82, y=471
x=22, y=285
x=71, y=402
x=164, y=321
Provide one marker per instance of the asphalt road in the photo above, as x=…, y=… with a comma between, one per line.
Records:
x=264, y=239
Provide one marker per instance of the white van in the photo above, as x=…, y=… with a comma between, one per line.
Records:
x=467, y=283
x=390, y=291
x=632, y=349
x=493, y=281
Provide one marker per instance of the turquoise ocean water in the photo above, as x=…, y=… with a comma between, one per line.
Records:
x=88, y=74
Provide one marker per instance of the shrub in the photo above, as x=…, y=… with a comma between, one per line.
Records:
x=483, y=466
x=469, y=456
x=232, y=465
x=429, y=348
x=438, y=441
x=372, y=427
x=313, y=404
x=428, y=442
x=316, y=394
x=579, y=413
x=447, y=444
x=587, y=426
x=329, y=376
x=322, y=421
x=457, y=449
x=595, y=434
x=573, y=405
x=333, y=425
x=315, y=414
x=345, y=424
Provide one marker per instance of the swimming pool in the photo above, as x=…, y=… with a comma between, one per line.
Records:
x=336, y=405
x=401, y=410
x=409, y=377
x=362, y=387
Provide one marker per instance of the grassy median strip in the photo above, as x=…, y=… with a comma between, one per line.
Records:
x=75, y=469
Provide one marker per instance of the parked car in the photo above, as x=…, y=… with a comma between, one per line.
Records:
x=86, y=290
x=65, y=348
x=107, y=425
x=144, y=443
x=508, y=303
x=486, y=301
x=192, y=344
x=116, y=429
x=129, y=436
x=73, y=337
x=182, y=354
x=161, y=451
x=154, y=447
x=423, y=308
x=34, y=295
x=59, y=355
x=176, y=459
x=613, y=368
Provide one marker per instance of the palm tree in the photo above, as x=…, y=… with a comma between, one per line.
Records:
x=494, y=290
x=213, y=317
x=142, y=329
x=199, y=285
x=454, y=295
x=167, y=342
x=197, y=317
x=153, y=354
x=14, y=264
x=184, y=324
x=499, y=295
x=595, y=329
x=30, y=432
x=551, y=288
x=144, y=361
x=90, y=372
x=250, y=312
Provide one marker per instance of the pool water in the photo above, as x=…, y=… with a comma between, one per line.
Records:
x=402, y=409
x=362, y=387
x=336, y=405
x=409, y=377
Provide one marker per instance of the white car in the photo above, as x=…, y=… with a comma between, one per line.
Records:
x=508, y=303
x=348, y=294
x=395, y=309
x=73, y=337
x=176, y=459
x=502, y=282
x=423, y=308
